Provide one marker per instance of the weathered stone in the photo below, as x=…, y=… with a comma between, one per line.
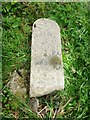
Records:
x=46, y=59
x=34, y=104
x=17, y=84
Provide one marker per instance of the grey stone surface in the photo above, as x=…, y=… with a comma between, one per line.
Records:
x=17, y=86
x=46, y=58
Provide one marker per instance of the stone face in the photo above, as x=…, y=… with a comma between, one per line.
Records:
x=46, y=58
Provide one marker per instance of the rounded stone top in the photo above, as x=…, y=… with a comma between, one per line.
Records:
x=45, y=21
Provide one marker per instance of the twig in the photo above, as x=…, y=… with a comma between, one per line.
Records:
x=64, y=105
x=55, y=113
x=5, y=86
x=42, y=109
x=67, y=103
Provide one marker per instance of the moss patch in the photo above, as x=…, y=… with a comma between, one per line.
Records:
x=55, y=61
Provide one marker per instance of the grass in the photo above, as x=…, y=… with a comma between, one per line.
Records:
x=72, y=103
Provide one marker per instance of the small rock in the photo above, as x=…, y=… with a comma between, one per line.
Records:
x=34, y=104
x=17, y=84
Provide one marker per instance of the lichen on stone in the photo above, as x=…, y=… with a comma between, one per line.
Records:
x=55, y=61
